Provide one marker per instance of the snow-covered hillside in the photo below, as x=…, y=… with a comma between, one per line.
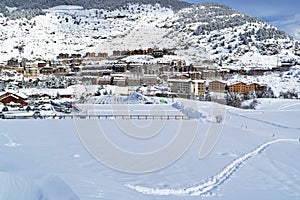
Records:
x=70, y=29
x=279, y=82
x=204, y=32
x=256, y=156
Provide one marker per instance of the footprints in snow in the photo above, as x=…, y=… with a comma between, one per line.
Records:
x=10, y=142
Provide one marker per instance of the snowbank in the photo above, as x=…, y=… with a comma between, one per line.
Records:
x=192, y=110
x=54, y=188
x=15, y=187
x=192, y=114
x=138, y=98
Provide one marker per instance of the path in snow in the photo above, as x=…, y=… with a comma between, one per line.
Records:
x=211, y=183
x=263, y=121
x=288, y=105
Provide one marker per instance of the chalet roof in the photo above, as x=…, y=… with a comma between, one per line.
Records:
x=198, y=81
x=2, y=93
x=224, y=70
x=220, y=81
x=118, y=75
x=195, y=72
x=39, y=62
x=105, y=78
x=207, y=67
x=12, y=92
x=246, y=83
x=179, y=80
x=247, y=68
x=119, y=78
x=150, y=76
x=10, y=95
x=185, y=80
x=236, y=82
x=47, y=68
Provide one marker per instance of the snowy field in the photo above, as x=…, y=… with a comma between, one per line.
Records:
x=255, y=156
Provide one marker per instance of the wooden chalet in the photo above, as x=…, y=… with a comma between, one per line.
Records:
x=245, y=88
x=11, y=97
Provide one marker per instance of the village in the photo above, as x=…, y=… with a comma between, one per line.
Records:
x=150, y=72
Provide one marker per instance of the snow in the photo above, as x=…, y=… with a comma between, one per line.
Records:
x=248, y=161
x=65, y=7
x=214, y=181
x=56, y=32
x=11, y=9
x=131, y=109
x=47, y=91
x=15, y=187
x=143, y=27
x=225, y=153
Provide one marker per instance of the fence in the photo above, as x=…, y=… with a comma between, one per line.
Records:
x=88, y=116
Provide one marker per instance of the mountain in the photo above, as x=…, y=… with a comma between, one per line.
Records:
x=90, y=4
x=204, y=33
x=225, y=35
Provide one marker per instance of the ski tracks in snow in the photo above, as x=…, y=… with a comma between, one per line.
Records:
x=213, y=182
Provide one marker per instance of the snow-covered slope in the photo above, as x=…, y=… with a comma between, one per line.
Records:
x=228, y=37
x=249, y=159
x=279, y=82
x=204, y=32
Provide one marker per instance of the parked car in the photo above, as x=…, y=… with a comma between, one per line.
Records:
x=5, y=109
x=1, y=115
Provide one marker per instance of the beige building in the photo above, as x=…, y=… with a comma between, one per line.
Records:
x=104, y=80
x=150, y=79
x=198, y=87
x=188, y=88
x=134, y=81
x=217, y=86
x=31, y=71
x=120, y=81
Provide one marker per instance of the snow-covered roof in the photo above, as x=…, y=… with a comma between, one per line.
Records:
x=220, y=81
x=23, y=96
x=2, y=93
x=186, y=81
x=198, y=81
x=49, y=92
x=179, y=80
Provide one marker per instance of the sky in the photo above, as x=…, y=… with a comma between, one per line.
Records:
x=284, y=14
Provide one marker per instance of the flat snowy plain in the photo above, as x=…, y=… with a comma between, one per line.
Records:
x=256, y=156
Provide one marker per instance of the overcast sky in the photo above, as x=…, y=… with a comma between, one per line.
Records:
x=285, y=14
